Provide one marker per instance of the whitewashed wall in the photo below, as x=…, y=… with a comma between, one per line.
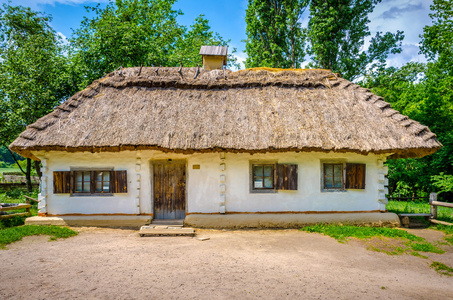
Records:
x=220, y=184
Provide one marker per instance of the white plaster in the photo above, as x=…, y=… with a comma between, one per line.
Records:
x=202, y=185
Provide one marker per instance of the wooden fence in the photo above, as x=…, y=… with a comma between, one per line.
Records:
x=434, y=204
x=16, y=206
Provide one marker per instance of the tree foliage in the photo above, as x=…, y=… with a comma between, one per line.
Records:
x=424, y=92
x=33, y=71
x=337, y=31
x=130, y=33
x=125, y=33
x=33, y=76
x=275, y=37
x=188, y=46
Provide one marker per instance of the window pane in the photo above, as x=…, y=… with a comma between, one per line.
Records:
x=268, y=182
x=78, y=186
x=107, y=176
x=86, y=176
x=258, y=183
x=98, y=186
x=328, y=170
x=98, y=176
x=337, y=181
x=258, y=170
x=328, y=182
x=268, y=170
x=106, y=186
x=78, y=176
x=86, y=187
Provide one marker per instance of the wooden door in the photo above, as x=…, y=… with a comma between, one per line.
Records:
x=169, y=190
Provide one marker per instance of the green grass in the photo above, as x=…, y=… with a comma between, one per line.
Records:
x=426, y=247
x=343, y=232
x=443, y=213
x=442, y=269
x=9, y=170
x=448, y=232
x=388, y=240
x=14, y=234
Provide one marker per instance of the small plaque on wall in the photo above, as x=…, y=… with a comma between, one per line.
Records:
x=195, y=167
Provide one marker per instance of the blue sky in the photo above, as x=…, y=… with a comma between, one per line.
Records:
x=227, y=17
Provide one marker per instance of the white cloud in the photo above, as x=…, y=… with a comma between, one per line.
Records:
x=241, y=57
x=64, y=39
x=409, y=16
x=37, y=4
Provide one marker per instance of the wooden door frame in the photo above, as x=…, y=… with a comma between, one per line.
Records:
x=168, y=161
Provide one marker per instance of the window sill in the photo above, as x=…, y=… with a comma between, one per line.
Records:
x=91, y=195
x=333, y=190
x=263, y=191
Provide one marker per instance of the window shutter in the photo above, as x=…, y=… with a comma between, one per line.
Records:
x=118, y=182
x=62, y=182
x=286, y=177
x=355, y=176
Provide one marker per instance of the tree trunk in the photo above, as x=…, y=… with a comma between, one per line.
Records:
x=28, y=175
x=38, y=169
x=12, y=154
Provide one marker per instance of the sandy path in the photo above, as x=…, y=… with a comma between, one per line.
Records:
x=118, y=264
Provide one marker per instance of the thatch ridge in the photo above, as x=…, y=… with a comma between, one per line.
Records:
x=279, y=110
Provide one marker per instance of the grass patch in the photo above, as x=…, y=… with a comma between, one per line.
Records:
x=343, y=232
x=426, y=247
x=441, y=268
x=414, y=253
x=387, y=240
x=448, y=232
x=14, y=234
x=398, y=207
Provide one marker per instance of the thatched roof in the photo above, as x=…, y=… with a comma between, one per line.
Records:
x=255, y=110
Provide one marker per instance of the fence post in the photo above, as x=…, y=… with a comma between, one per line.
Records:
x=433, y=197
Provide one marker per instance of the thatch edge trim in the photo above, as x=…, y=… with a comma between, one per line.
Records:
x=393, y=153
x=332, y=80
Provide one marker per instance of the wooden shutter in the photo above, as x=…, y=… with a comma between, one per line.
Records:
x=286, y=177
x=355, y=176
x=118, y=181
x=62, y=182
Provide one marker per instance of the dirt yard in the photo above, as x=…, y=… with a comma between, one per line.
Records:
x=283, y=264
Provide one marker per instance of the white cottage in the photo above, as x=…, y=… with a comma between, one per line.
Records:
x=253, y=148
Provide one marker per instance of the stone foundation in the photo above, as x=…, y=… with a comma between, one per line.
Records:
x=235, y=221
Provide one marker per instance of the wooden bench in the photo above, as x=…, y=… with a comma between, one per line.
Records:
x=405, y=218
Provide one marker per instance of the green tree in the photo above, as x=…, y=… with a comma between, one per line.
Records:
x=424, y=92
x=187, y=48
x=275, y=37
x=437, y=39
x=125, y=33
x=337, y=30
x=33, y=71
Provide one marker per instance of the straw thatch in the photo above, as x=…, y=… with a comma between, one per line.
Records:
x=256, y=110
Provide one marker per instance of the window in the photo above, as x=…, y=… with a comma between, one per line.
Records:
x=341, y=176
x=268, y=177
x=90, y=182
x=263, y=177
x=333, y=176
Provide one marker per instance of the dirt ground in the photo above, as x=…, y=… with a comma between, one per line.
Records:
x=281, y=264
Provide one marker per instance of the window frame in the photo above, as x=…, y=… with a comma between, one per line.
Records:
x=333, y=187
x=341, y=162
x=263, y=190
x=344, y=164
x=92, y=182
